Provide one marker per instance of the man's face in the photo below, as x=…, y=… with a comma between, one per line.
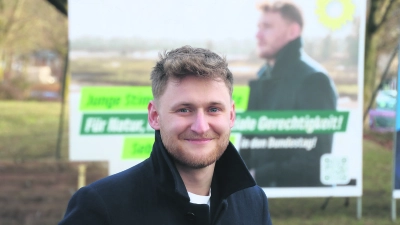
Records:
x=273, y=34
x=194, y=117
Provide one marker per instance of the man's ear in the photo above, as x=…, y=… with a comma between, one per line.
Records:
x=294, y=31
x=153, y=116
x=232, y=115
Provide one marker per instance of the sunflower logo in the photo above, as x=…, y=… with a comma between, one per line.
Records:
x=333, y=14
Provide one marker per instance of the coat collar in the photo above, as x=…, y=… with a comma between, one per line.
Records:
x=292, y=50
x=230, y=172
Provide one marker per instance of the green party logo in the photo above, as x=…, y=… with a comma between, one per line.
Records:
x=334, y=14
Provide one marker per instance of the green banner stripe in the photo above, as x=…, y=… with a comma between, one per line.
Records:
x=137, y=147
x=95, y=124
x=290, y=122
x=115, y=98
x=251, y=122
x=136, y=98
x=241, y=97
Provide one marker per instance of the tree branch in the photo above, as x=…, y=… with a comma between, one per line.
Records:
x=371, y=26
x=11, y=20
x=60, y=5
x=383, y=77
x=385, y=12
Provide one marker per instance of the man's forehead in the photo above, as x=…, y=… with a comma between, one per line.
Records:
x=269, y=17
x=189, y=81
x=271, y=14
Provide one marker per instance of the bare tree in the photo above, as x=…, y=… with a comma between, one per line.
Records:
x=382, y=14
x=61, y=6
x=29, y=25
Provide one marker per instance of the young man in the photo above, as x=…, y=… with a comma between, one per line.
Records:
x=290, y=80
x=194, y=175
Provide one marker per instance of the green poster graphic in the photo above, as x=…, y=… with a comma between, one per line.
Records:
x=291, y=122
x=115, y=98
x=119, y=123
x=136, y=98
x=240, y=96
x=137, y=147
x=251, y=122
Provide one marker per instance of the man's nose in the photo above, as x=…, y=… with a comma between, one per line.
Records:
x=200, y=123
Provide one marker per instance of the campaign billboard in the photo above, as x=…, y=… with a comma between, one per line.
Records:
x=298, y=112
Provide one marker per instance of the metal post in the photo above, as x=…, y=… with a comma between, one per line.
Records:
x=359, y=207
x=81, y=175
x=61, y=119
x=393, y=209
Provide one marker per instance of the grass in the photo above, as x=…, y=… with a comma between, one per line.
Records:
x=28, y=131
x=376, y=200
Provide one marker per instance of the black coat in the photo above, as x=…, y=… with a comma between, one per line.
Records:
x=153, y=193
x=296, y=82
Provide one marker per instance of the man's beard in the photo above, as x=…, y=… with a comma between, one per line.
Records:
x=183, y=158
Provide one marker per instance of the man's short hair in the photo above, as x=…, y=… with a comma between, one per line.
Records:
x=287, y=9
x=188, y=61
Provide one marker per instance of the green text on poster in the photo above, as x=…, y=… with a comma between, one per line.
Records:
x=251, y=122
x=290, y=122
x=137, y=147
x=122, y=123
x=136, y=98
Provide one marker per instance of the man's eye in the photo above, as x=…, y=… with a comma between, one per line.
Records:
x=214, y=109
x=183, y=110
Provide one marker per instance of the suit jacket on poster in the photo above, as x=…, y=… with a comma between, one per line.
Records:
x=296, y=82
x=153, y=193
